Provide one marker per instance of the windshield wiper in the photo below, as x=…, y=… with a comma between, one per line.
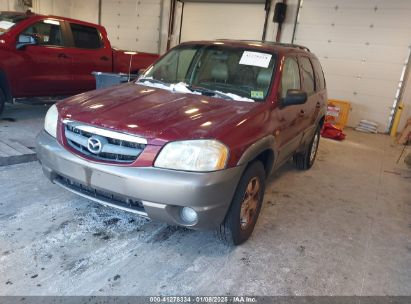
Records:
x=152, y=80
x=209, y=92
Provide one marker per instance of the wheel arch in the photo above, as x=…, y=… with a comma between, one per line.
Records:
x=262, y=150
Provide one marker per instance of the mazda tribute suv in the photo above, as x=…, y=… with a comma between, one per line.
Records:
x=192, y=141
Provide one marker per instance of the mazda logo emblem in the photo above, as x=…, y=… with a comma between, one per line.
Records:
x=94, y=145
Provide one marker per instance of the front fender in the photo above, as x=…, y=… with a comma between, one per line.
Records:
x=260, y=147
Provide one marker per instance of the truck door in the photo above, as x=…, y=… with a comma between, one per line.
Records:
x=290, y=117
x=43, y=69
x=89, y=53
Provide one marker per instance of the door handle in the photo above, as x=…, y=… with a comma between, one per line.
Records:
x=61, y=55
x=104, y=58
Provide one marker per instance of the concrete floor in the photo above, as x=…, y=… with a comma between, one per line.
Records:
x=342, y=228
x=22, y=122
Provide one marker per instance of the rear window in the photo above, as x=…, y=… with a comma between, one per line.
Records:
x=319, y=75
x=86, y=37
x=8, y=20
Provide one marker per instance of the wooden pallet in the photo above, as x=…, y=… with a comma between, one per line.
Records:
x=12, y=152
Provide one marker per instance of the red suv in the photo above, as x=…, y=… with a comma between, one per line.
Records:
x=192, y=141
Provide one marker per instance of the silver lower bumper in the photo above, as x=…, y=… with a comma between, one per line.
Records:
x=161, y=192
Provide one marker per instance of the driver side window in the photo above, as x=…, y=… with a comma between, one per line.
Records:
x=291, y=76
x=175, y=67
x=47, y=32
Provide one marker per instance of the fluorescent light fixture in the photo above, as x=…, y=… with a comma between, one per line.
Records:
x=54, y=22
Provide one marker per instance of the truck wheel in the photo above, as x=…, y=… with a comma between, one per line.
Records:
x=246, y=205
x=2, y=100
x=305, y=160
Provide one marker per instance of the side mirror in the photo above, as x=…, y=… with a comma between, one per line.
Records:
x=294, y=97
x=25, y=40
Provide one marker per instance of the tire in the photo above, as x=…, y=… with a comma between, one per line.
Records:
x=305, y=160
x=242, y=216
x=2, y=101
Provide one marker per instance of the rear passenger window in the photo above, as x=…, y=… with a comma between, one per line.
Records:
x=308, y=75
x=319, y=75
x=86, y=37
x=291, y=77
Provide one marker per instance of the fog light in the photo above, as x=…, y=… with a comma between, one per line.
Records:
x=189, y=215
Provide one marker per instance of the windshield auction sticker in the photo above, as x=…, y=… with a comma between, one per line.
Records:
x=6, y=24
x=256, y=59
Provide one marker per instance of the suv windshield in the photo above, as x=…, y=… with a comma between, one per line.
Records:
x=8, y=20
x=216, y=70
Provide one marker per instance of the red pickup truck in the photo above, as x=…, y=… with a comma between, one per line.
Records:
x=55, y=56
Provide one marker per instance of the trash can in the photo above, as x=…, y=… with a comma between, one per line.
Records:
x=104, y=80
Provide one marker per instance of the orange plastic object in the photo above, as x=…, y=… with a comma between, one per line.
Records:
x=337, y=112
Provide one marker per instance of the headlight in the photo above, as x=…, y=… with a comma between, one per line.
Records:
x=193, y=155
x=50, y=122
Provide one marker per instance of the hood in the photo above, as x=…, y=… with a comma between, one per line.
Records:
x=154, y=113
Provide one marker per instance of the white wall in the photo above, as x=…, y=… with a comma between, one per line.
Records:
x=133, y=24
x=236, y=21
x=288, y=25
x=10, y=5
x=362, y=46
x=77, y=9
x=209, y=21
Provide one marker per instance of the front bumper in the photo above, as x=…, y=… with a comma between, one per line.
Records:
x=162, y=193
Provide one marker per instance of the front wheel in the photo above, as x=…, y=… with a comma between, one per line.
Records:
x=2, y=100
x=242, y=216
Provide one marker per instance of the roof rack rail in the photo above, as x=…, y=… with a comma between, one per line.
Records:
x=294, y=46
x=291, y=45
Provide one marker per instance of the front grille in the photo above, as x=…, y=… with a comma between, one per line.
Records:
x=101, y=196
x=115, y=146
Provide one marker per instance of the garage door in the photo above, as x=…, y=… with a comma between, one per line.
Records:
x=132, y=24
x=363, y=47
x=203, y=21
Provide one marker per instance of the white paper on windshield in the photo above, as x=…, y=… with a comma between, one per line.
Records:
x=256, y=59
x=6, y=24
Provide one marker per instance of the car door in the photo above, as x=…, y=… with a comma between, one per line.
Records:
x=309, y=86
x=44, y=68
x=290, y=117
x=89, y=54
